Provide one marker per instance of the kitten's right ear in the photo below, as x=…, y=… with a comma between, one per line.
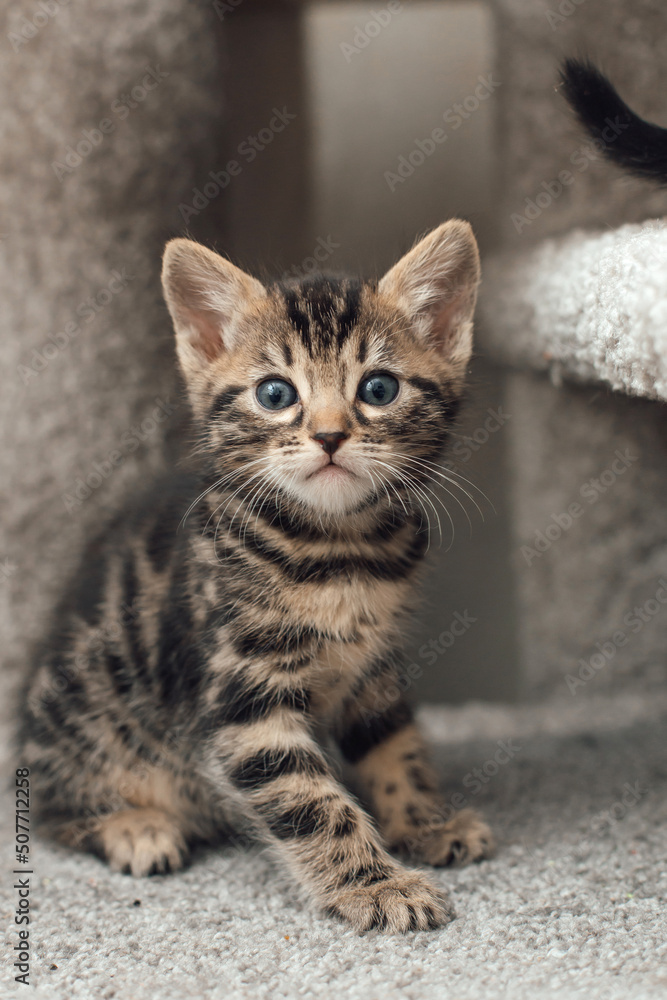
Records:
x=205, y=295
x=436, y=285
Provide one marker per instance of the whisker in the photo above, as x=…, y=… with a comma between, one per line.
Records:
x=437, y=470
x=274, y=490
x=386, y=482
x=265, y=486
x=234, y=494
x=421, y=491
x=444, y=469
x=384, y=485
x=219, y=482
x=399, y=472
x=427, y=475
x=249, y=503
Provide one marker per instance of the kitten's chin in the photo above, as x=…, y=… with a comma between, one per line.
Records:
x=332, y=490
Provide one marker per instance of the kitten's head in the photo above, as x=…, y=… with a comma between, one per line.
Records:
x=325, y=393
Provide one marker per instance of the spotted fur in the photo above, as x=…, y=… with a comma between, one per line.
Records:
x=241, y=609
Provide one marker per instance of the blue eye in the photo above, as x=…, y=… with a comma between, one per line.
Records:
x=275, y=394
x=378, y=390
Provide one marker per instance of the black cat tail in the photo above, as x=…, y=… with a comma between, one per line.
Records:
x=630, y=142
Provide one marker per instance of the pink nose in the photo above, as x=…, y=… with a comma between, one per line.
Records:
x=330, y=440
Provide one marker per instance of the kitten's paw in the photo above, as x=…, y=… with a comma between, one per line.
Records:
x=463, y=839
x=142, y=842
x=404, y=902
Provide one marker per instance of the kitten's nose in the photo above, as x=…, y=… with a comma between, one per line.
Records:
x=330, y=440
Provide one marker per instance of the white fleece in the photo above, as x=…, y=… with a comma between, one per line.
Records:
x=592, y=306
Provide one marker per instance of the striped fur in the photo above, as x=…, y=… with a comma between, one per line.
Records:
x=235, y=613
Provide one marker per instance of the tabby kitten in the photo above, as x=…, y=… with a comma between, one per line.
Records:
x=194, y=662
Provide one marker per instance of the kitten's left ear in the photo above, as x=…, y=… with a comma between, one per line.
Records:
x=436, y=285
x=205, y=295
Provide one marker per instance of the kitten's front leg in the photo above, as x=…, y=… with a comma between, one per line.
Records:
x=319, y=832
x=390, y=757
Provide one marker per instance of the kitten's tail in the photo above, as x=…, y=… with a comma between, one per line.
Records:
x=629, y=141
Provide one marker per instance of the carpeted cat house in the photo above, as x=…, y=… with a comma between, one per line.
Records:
x=574, y=305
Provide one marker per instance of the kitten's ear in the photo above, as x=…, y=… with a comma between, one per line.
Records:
x=205, y=295
x=436, y=285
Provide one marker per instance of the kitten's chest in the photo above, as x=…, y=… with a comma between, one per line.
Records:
x=344, y=593
x=323, y=617
x=360, y=624
x=344, y=608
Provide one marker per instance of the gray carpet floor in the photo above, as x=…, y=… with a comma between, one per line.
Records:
x=573, y=906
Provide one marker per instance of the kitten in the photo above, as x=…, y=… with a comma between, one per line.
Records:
x=627, y=140
x=193, y=662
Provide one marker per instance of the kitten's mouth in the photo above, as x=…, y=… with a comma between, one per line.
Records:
x=332, y=470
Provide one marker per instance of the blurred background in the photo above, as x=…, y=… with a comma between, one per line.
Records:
x=290, y=136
